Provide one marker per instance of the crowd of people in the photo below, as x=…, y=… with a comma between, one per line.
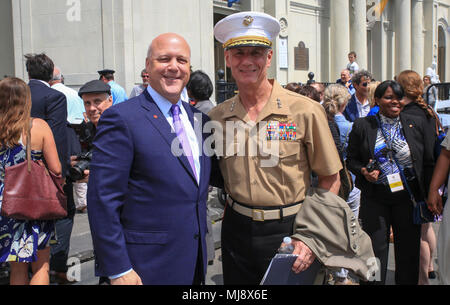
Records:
x=352, y=159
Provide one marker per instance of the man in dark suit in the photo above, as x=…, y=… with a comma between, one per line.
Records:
x=51, y=105
x=47, y=103
x=147, y=203
x=359, y=106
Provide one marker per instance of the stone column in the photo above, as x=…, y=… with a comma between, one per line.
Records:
x=358, y=32
x=403, y=35
x=340, y=36
x=417, y=37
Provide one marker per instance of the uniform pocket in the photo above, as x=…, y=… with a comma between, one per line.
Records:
x=288, y=166
x=292, y=160
x=233, y=164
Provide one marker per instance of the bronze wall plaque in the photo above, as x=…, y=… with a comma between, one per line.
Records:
x=301, y=57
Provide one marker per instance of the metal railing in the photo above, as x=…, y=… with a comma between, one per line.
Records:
x=438, y=97
x=225, y=91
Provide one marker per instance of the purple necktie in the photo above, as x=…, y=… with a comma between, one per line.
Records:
x=181, y=135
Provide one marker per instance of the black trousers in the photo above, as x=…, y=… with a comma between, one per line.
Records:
x=63, y=227
x=378, y=211
x=248, y=246
x=199, y=277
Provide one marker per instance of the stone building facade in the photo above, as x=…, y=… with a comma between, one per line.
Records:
x=83, y=36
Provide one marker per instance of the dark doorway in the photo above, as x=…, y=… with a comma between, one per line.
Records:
x=441, y=54
x=219, y=56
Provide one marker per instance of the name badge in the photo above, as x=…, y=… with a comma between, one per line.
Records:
x=395, y=182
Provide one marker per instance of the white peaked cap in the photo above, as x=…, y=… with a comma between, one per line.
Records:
x=247, y=29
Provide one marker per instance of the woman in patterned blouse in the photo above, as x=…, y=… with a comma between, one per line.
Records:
x=394, y=141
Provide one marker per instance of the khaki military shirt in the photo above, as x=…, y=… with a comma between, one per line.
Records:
x=269, y=162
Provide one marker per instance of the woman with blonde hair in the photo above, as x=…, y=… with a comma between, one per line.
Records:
x=412, y=85
x=372, y=87
x=24, y=242
x=336, y=98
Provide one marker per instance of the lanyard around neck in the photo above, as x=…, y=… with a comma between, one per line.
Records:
x=402, y=174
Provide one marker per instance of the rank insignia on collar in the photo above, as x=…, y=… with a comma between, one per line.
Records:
x=279, y=103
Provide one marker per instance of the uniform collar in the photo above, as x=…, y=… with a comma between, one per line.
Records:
x=277, y=104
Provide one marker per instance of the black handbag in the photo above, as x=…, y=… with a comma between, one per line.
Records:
x=421, y=213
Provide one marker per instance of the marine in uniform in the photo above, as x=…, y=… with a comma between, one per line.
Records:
x=266, y=183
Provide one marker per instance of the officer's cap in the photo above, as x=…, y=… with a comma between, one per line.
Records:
x=95, y=86
x=247, y=29
x=106, y=72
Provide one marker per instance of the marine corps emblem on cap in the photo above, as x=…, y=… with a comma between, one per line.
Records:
x=248, y=20
x=247, y=29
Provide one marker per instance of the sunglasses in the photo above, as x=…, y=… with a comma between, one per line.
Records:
x=145, y=76
x=364, y=84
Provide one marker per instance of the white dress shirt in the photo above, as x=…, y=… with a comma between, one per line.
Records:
x=164, y=105
x=75, y=105
x=363, y=110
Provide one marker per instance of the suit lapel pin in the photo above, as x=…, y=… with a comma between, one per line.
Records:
x=411, y=126
x=155, y=116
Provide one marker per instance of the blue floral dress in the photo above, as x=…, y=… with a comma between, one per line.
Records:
x=20, y=240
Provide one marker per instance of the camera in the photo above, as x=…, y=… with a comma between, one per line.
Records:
x=77, y=171
x=371, y=166
x=85, y=133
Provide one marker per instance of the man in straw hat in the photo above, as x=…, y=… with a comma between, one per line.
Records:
x=264, y=197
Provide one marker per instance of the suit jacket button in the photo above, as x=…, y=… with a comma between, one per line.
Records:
x=196, y=236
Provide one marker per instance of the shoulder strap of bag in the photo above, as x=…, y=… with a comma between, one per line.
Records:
x=29, y=146
x=402, y=174
x=439, y=126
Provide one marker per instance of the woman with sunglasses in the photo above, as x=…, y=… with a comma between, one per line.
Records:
x=380, y=149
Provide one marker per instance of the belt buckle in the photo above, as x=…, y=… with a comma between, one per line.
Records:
x=258, y=215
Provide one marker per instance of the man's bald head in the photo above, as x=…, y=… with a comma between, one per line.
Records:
x=164, y=38
x=57, y=76
x=345, y=75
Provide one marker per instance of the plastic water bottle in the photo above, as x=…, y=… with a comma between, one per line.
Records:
x=288, y=248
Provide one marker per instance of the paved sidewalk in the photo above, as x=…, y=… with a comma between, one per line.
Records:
x=81, y=248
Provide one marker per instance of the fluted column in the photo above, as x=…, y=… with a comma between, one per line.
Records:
x=403, y=35
x=340, y=36
x=417, y=37
x=358, y=32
